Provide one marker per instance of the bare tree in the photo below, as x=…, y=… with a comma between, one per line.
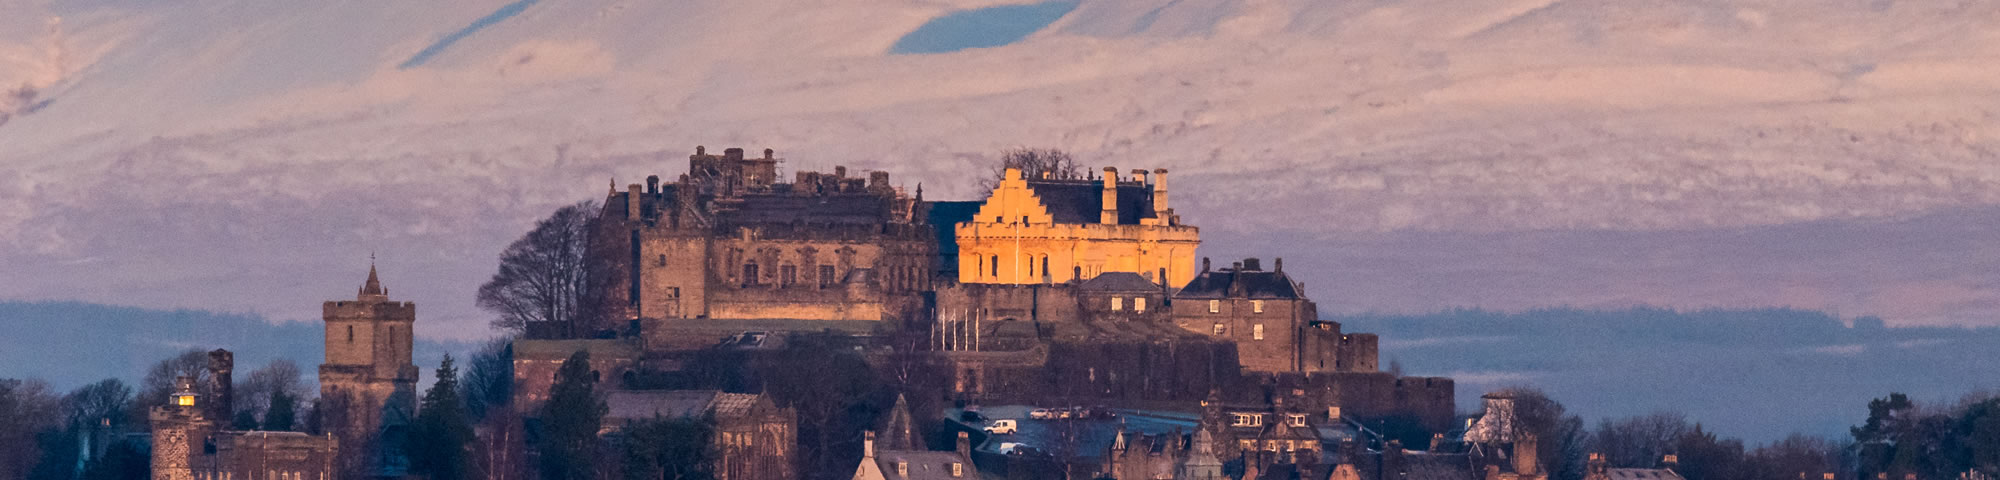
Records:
x=1640, y=442
x=159, y=380
x=1560, y=435
x=281, y=376
x=542, y=276
x=1035, y=163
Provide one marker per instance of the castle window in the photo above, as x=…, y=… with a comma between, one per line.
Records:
x=1024, y=219
x=1117, y=303
x=957, y=469
x=1256, y=306
x=788, y=275
x=749, y=274
x=1220, y=329
x=825, y=276
x=662, y=262
x=1139, y=304
x=994, y=262
x=350, y=334
x=1257, y=332
x=1214, y=306
x=1045, y=269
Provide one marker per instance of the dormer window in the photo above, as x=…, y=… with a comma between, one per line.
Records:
x=1214, y=306
x=1296, y=419
x=1248, y=420
x=902, y=469
x=1256, y=306
x=957, y=469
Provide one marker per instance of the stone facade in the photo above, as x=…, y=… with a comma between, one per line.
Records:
x=187, y=445
x=1276, y=327
x=368, y=383
x=754, y=439
x=730, y=242
x=1031, y=231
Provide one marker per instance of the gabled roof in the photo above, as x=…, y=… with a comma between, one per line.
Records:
x=1119, y=282
x=923, y=465
x=624, y=406
x=1227, y=283
x=1082, y=201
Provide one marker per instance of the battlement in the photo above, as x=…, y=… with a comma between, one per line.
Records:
x=352, y=309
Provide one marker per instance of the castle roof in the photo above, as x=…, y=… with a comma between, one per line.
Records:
x=1082, y=201
x=1231, y=283
x=1119, y=282
x=372, y=288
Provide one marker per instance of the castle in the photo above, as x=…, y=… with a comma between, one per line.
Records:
x=1050, y=287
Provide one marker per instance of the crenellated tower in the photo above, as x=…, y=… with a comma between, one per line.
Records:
x=368, y=378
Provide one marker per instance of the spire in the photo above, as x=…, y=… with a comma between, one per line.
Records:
x=372, y=289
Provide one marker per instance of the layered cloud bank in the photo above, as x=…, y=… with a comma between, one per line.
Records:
x=247, y=155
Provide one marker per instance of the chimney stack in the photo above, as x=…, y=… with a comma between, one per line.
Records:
x=632, y=201
x=733, y=153
x=1204, y=264
x=868, y=444
x=1278, y=264
x=220, y=364
x=652, y=184
x=1160, y=208
x=1253, y=265
x=768, y=154
x=964, y=444
x=1139, y=175
x=1110, y=215
x=1525, y=461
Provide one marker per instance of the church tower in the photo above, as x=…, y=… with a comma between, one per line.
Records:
x=368, y=381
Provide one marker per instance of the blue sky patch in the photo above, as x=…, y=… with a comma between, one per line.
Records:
x=505, y=12
x=981, y=28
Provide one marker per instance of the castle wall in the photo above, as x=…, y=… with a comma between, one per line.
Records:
x=1357, y=353
x=1270, y=340
x=536, y=363
x=1013, y=239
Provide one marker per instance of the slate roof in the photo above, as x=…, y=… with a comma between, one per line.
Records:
x=945, y=217
x=923, y=465
x=1119, y=282
x=1642, y=474
x=622, y=406
x=1082, y=201
x=854, y=208
x=1228, y=283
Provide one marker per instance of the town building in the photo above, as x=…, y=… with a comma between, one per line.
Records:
x=753, y=438
x=188, y=443
x=1053, y=230
x=914, y=463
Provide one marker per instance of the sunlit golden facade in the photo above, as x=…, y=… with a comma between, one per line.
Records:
x=1032, y=231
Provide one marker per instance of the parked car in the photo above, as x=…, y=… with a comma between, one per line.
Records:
x=1040, y=414
x=971, y=416
x=1003, y=427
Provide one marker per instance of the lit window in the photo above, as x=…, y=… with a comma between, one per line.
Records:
x=1257, y=332
x=1117, y=303
x=1139, y=304
x=1256, y=306
x=1248, y=420
x=1219, y=329
x=1296, y=419
x=1214, y=306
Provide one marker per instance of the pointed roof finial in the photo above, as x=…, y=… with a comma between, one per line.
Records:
x=373, y=287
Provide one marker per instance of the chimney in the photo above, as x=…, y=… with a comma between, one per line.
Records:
x=1278, y=264
x=1595, y=467
x=1235, y=266
x=652, y=184
x=1253, y=265
x=878, y=180
x=868, y=444
x=220, y=364
x=1525, y=461
x=700, y=150
x=733, y=153
x=1204, y=264
x=964, y=444
x=839, y=171
x=768, y=154
x=1437, y=441
x=1160, y=208
x=1139, y=175
x=1110, y=215
x=1670, y=461
x=632, y=202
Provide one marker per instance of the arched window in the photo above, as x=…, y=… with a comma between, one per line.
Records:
x=1031, y=265
x=994, y=261
x=1045, y=269
x=350, y=334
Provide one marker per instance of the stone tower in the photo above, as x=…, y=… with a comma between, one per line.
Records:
x=368, y=375
x=180, y=430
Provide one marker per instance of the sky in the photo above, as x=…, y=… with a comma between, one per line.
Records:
x=249, y=157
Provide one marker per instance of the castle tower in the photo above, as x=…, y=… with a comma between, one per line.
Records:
x=179, y=431
x=368, y=376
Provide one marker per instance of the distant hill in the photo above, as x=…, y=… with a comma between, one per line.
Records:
x=1756, y=374
x=70, y=343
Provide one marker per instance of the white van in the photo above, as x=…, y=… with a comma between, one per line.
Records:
x=1002, y=427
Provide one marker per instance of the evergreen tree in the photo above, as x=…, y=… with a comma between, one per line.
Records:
x=438, y=440
x=570, y=420
x=283, y=412
x=670, y=449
